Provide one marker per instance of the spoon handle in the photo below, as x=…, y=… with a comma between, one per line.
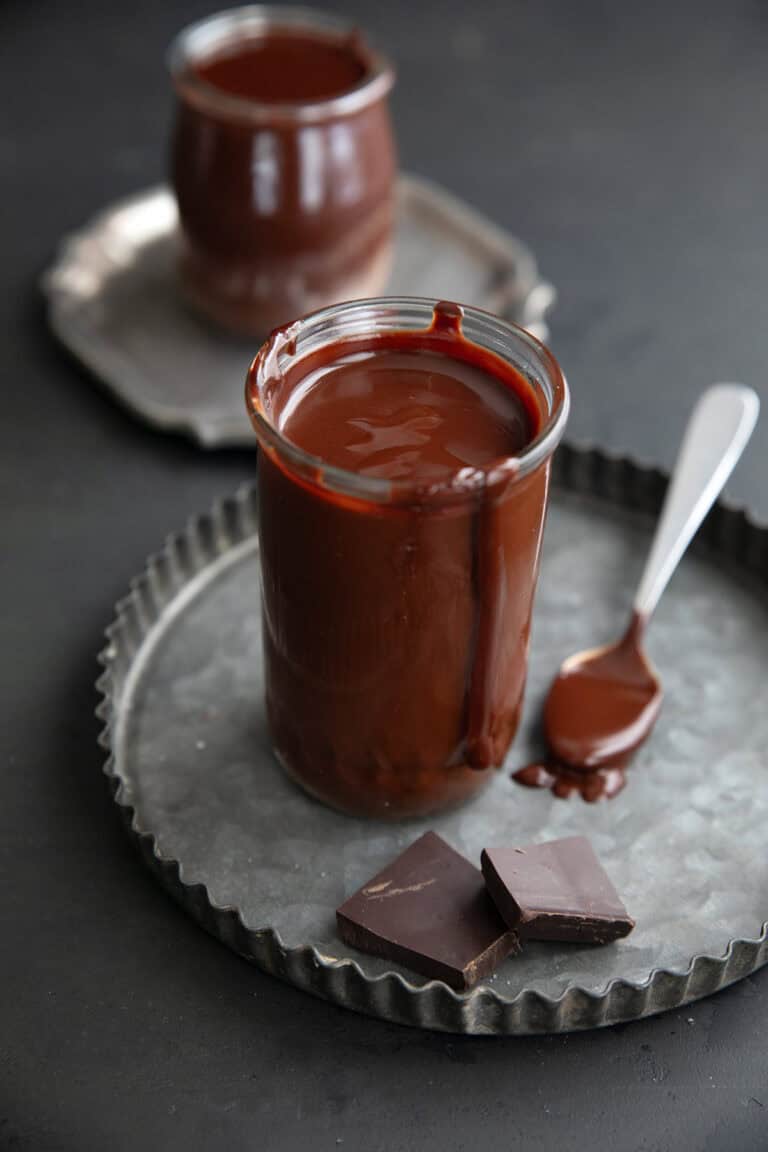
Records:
x=717, y=433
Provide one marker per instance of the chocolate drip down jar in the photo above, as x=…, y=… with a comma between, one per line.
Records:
x=283, y=164
x=405, y=450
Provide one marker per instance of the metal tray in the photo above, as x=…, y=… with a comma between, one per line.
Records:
x=113, y=301
x=263, y=867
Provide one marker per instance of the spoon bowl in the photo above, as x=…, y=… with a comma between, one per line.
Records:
x=603, y=704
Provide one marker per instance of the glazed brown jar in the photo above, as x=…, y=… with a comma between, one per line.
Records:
x=283, y=164
x=397, y=586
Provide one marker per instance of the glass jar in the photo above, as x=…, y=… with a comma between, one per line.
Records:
x=285, y=205
x=396, y=617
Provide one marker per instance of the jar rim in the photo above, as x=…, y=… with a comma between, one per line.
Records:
x=203, y=37
x=360, y=316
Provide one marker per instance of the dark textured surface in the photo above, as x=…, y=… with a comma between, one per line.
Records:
x=628, y=145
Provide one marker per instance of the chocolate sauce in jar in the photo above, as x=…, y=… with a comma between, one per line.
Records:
x=285, y=67
x=283, y=163
x=396, y=621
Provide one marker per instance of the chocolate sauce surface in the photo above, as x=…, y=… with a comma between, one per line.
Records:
x=563, y=782
x=285, y=67
x=407, y=415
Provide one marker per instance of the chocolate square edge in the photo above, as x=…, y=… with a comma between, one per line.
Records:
x=508, y=908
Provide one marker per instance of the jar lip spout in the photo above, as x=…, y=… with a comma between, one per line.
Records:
x=205, y=37
x=358, y=320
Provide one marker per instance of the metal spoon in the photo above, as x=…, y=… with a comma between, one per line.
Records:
x=604, y=702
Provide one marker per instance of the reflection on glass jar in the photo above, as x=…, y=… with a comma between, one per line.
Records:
x=283, y=164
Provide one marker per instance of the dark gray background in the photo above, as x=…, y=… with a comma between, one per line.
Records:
x=628, y=143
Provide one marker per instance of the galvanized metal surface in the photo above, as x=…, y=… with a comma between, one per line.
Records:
x=263, y=867
x=113, y=300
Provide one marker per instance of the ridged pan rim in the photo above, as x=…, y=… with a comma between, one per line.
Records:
x=614, y=479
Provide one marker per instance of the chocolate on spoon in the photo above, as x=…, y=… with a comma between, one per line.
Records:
x=604, y=702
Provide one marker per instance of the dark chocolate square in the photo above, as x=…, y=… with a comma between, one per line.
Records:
x=556, y=891
x=429, y=910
